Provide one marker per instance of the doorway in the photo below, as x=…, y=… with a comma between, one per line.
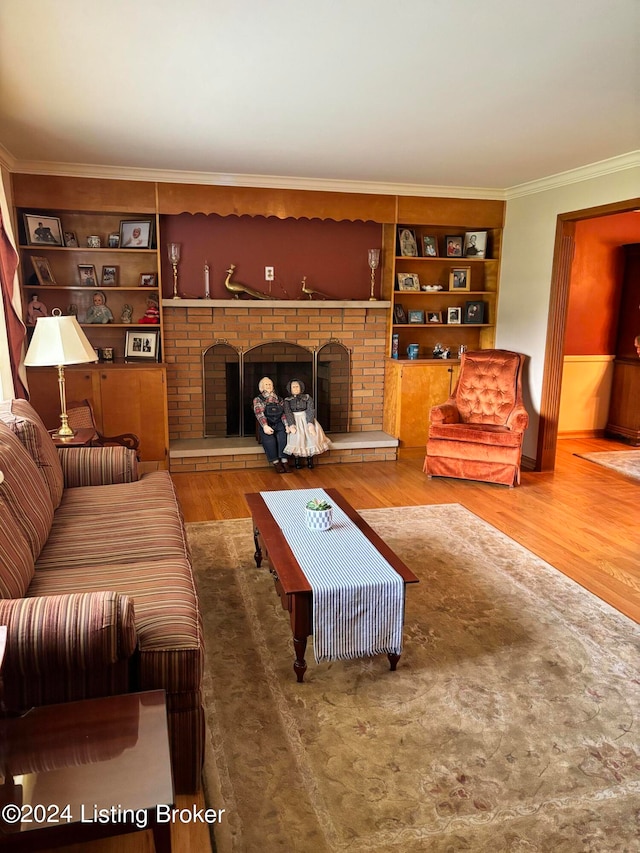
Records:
x=557, y=324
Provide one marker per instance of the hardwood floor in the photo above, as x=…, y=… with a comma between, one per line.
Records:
x=583, y=519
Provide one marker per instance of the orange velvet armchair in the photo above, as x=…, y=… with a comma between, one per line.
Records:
x=477, y=434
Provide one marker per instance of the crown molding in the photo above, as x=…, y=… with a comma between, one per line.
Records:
x=573, y=176
x=7, y=160
x=273, y=182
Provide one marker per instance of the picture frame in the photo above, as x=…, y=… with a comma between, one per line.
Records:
x=407, y=242
x=408, y=281
x=88, y=276
x=43, y=230
x=460, y=278
x=142, y=344
x=429, y=246
x=42, y=270
x=135, y=233
x=70, y=240
x=416, y=317
x=399, y=314
x=474, y=312
x=434, y=316
x=113, y=241
x=454, y=316
x=453, y=245
x=109, y=276
x=148, y=279
x=475, y=244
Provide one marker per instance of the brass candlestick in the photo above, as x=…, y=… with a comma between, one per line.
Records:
x=173, y=250
x=374, y=260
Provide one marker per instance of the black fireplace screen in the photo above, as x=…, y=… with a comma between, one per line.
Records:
x=231, y=377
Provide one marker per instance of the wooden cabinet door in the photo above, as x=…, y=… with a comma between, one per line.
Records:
x=44, y=393
x=423, y=387
x=133, y=400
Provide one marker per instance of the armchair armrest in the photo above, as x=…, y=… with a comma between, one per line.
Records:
x=446, y=413
x=63, y=647
x=98, y=466
x=518, y=420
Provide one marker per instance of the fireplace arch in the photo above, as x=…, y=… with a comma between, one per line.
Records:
x=231, y=376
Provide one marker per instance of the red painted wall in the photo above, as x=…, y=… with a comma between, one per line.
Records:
x=332, y=255
x=596, y=280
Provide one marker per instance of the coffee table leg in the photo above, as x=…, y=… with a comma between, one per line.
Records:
x=393, y=661
x=258, y=554
x=300, y=664
x=162, y=837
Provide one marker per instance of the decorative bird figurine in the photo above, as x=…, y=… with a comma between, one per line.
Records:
x=310, y=291
x=236, y=288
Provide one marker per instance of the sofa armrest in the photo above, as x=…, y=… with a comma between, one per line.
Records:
x=63, y=647
x=447, y=413
x=518, y=420
x=97, y=466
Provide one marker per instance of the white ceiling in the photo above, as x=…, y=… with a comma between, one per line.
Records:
x=458, y=93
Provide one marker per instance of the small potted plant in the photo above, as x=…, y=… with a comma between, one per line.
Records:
x=319, y=514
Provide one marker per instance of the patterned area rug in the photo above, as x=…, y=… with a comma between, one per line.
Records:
x=625, y=461
x=510, y=724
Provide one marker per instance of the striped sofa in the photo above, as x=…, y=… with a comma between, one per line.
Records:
x=96, y=587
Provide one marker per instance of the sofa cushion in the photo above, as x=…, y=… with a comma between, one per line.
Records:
x=167, y=616
x=16, y=559
x=476, y=433
x=23, y=420
x=23, y=493
x=96, y=526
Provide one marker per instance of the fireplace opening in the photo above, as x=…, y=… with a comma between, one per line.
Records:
x=231, y=376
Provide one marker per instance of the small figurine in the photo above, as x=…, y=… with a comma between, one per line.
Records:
x=35, y=309
x=99, y=312
x=269, y=411
x=152, y=315
x=127, y=313
x=72, y=310
x=440, y=351
x=306, y=436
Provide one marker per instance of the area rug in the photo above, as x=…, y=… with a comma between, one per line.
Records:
x=509, y=725
x=625, y=461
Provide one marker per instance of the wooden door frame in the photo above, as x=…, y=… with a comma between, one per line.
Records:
x=556, y=325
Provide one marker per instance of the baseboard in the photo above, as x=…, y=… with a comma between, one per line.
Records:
x=581, y=433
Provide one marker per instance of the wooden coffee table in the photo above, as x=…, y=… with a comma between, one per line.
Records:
x=291, y=584
x=67, y=765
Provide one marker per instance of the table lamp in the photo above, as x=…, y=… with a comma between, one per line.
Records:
x=56, y=341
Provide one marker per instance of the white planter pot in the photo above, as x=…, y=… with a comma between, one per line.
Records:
x=318, y=519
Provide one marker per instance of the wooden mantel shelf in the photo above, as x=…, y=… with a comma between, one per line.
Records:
x=300, y=304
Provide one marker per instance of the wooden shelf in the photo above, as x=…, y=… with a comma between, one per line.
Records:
x=44, y=247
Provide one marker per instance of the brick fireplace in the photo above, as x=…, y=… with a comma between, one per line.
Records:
x=191, y=327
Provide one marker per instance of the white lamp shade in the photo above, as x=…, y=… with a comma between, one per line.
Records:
x=58, y=340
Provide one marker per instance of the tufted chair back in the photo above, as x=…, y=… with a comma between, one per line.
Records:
x=488, y=386
x=477, y=433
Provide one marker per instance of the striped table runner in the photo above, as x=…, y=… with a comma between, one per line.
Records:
x=358, y=598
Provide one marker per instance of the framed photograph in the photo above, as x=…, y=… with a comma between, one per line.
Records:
x=434, y=316
x=42, y=270
x=430, y=246
x=88, y=277
x=399, y=314
x=136, y=234
x=453, y=245
x=408, y=281
x=70, y=240
x=43, y=230
x=109, y=277
x=407, y=243
x=113, y=241
x=454, y=316
x=474, y=312
x=148, y=279
x=142, y=344
x=475, y=244
x=416, y=317
x=460, y=278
